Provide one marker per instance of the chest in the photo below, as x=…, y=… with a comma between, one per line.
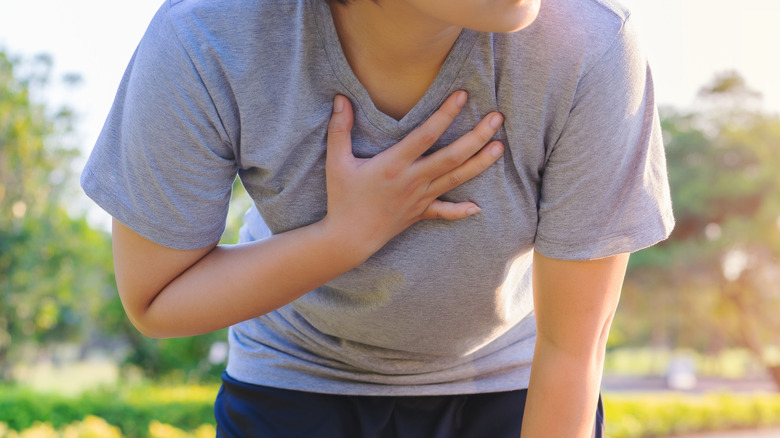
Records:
x=395, y=93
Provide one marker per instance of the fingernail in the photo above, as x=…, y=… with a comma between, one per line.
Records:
x=497, y=150
x=473, y=210
x=460, y=100
x=338, y=104
x=496, y=120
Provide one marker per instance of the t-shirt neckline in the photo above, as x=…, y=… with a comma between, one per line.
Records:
x=438, y=91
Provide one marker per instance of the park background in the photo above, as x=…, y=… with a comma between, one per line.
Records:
x=696, y=341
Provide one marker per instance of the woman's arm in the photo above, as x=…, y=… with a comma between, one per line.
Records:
x=168, y=292
x=575, y=302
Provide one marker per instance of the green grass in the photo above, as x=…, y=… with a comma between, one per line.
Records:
x=157, y=411
x=665, y=414
x=132, y=409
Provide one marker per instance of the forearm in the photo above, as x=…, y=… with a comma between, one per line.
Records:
x=238, y=282
x=563, y=392
x=574, y=303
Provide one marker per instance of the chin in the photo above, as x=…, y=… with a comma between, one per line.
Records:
x=524, y=14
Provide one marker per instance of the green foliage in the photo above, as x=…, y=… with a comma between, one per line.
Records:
x=176, y=359
x=54, y=269
x=662, y=415
x=56, y=273
x=713, y=284
x=168, y=411
x=96, y=427
x=239, y=204
x=133, y=410
x=731, y=363
x=91, y=427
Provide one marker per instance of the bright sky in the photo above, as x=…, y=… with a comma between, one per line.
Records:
x=687, y=41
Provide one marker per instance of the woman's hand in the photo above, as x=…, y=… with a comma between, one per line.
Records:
x=372, y=200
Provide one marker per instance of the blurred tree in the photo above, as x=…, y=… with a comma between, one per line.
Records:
x=56, y=273
x=48, y=280
x=716, y=281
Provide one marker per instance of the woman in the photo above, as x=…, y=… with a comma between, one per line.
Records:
x=452, y=190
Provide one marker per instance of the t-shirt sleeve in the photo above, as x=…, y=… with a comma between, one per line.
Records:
x=163, y=164
x=604, y=187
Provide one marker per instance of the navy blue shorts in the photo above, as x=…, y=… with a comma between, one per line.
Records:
x=244, y=410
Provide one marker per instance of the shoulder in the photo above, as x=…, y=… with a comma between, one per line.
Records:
x=583, y=23
x=235, y=11
x=227, y=41
x=233, y=19
x=570, y=33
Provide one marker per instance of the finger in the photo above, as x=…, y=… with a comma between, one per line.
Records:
x=450, y=210
x=425, y=135
x=471, y=168
x=452, y=156
x=340, y=129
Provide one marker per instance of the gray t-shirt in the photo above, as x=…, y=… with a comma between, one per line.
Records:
x=217, y=88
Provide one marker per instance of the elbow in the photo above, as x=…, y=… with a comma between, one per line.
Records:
x=604, y=335
x=152, y=332
x=156, y=331
x=140, y=317
x=154, y=322
x=146, y=328
x=603, y=339
x=583, y=343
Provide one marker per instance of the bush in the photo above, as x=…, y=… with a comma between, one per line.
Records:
x=132, y=410
x=186, y=411
x=664, y=414
x=94, y=427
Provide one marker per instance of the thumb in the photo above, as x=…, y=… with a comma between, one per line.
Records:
x=450, y=211
x=340, y=129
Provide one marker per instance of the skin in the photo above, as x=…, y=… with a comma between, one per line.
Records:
x=405, y=42
x=395, y=48
x=574, y=302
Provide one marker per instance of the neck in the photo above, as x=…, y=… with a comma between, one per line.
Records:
x=394, y=52
x=392, y=34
